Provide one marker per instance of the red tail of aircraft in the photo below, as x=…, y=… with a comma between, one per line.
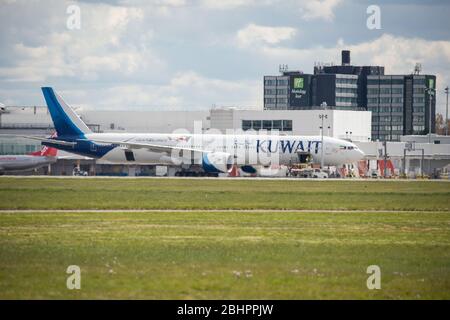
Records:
x=46, y=151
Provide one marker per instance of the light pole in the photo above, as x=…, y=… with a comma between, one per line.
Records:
x=430, y=92
x=321, y=117
x=446, y=113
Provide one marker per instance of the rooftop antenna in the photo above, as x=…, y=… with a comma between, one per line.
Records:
x=417, y=68
x=283, y=68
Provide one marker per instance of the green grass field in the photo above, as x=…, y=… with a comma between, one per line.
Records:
x=222, y=194
x=224, y=255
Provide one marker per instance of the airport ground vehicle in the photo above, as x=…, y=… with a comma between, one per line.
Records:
x=317, y=173
x=77, y=172
x=309, y=173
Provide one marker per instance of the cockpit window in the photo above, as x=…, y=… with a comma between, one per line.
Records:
x=347, y=148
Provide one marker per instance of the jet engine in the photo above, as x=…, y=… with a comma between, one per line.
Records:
x=217, y=162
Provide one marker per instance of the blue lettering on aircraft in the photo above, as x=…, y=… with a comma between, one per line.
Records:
x=286, y=146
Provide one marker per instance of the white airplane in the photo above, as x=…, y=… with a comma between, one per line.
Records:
x=15, y=163
x=216, y=153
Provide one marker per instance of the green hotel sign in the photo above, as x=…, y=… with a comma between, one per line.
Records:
x=298, y=83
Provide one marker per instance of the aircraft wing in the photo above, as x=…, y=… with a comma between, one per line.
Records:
x=150, y=146
x=54, y=141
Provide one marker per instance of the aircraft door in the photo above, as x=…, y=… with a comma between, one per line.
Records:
x=129, y=155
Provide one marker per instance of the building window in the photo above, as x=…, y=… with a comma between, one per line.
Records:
x=246, y=125
x=281, y=125
x=346, y=80
x=256, y=124
x=267, y=124
x=345, y=100
x=385, y=81
x=346, y=90
x=287, y=125
x=277, y=125
x=419, y=119
x=397, y=81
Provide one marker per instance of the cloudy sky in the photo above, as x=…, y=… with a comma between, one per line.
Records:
x=192, y=54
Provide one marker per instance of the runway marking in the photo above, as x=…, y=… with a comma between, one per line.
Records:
x=213, y=210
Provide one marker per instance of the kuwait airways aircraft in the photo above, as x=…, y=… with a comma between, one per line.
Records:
x=216, y=153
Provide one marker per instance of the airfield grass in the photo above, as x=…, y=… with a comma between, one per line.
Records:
x=273, y=254
x=23, y=193
x=225, y=255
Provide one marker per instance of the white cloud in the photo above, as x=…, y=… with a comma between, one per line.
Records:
x=107, y=43
x=229, y=4
x=318, y=9
x=154, y=3
x=309, y=9
x=184, y=91
x=135, y=49
x=254, y=34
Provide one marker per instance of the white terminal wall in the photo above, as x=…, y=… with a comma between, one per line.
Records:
x=129, y=121
x=304, y=122
x=148, y=121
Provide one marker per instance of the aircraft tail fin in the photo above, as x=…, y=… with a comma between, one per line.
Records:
x=65, y=120
x=46, y=151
